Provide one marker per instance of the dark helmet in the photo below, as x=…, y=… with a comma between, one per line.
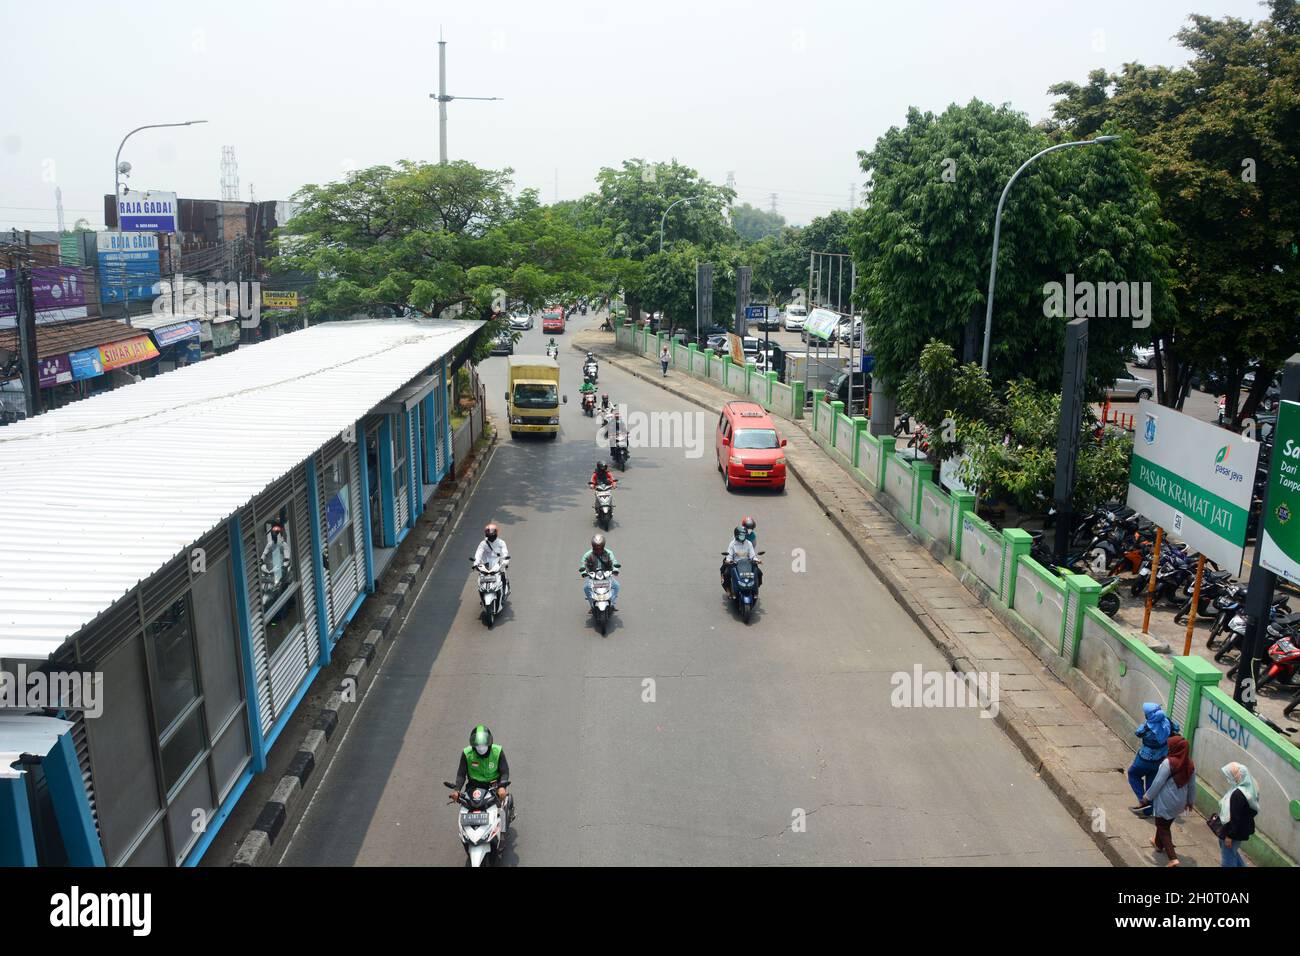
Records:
x=491, y=531
x=598, y=544
x=601, y=466
x=740, y=533
x=748, y=523
x=480, y=738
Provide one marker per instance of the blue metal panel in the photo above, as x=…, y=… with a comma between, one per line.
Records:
x=387, y=504
x=17, y=842
x=258, y=745
x=347, y=618
x=446, y=424
x=364, y=459
x=318, y=563
x=71, y=805
x=429, y=410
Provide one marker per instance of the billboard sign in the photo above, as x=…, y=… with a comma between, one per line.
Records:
x=147, y=212
x=86, y=363
x=58, y=294
x=127, y=352
x=279, y=300
x=1279, y=549
x=128, y=266
x=1194, y=480
x=822, y=323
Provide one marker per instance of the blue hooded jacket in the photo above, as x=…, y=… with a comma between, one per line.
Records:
x=1155, y=731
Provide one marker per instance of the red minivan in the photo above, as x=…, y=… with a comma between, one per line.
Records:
x=748, y=448
x=553, y=321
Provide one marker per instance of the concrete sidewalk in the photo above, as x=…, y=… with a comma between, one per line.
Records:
x=1074, y=752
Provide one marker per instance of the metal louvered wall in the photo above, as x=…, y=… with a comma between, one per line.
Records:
x=257, y=630
x=401, y=489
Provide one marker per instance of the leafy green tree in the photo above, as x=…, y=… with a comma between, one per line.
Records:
x=923, y=242
x=752, y=223
x=423, y=238
x=629, y=204
x=1221, y=138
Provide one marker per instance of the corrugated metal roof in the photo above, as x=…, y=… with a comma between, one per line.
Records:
x=98, y=495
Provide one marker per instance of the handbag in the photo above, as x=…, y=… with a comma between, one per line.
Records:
x=1215, y=825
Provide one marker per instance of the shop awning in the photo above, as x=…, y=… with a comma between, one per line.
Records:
x=168, y=330
x=70, y=351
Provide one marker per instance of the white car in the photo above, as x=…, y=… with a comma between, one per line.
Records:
x=1129, y=385
x=1143, y=356
x=521, y=321
x=795, y=316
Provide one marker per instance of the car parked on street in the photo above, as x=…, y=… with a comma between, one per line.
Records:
x=1129, y=386
x=1144, y=356
x=795, y=316
x=749, y=450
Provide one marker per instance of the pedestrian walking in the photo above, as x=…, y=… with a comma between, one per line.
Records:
x=1236, y=816
x=1171, y=792
x=664, y=359
x=1155, y=732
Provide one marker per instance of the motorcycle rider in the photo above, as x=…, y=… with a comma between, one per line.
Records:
x=484, y=763
x=616, y=431
x=738, y=547
x=604, y=401
x=275, y=557
x=551, y=347
x=493, y=547
x=602, y=476
x=751, y=529
x=587, y=388
x=600, y=558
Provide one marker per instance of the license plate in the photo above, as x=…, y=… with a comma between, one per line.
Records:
x=476, y=819
x=758, y=474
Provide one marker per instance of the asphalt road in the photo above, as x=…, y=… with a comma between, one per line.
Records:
x=748, y=726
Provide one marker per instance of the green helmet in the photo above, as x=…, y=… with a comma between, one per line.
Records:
x=480, y=738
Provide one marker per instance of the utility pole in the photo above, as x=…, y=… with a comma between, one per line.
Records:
x=443, y=99
x=27, y=334
x=773, y=196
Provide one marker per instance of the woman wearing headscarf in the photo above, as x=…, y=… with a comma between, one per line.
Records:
x=1237, y=812
x=1171, y=792
x=1154, y=731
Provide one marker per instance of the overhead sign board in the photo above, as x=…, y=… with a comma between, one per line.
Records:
x=1279, y=549
x=1194, y=480
x=147, y=212
x=280, y=300
x=58, y=293
x=821, y=323
x=128, y=266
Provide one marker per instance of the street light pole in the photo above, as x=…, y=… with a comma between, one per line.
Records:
x=664, y=218
x=117, y=210
x=997, y=229
x=443, y=99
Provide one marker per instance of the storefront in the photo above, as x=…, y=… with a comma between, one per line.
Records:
x=240, y=554
x=219, y=335
x=74, y=358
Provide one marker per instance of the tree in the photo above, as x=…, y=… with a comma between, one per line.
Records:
x=1221, y=139
x=424, y=238
x=752, y=223
x=629, y=204
x=922, y=244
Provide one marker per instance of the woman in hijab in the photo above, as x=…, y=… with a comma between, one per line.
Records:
x=1237, y=812
x=1171, y=792
x=1154, y=731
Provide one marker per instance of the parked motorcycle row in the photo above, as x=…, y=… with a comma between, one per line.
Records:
x=1112, y=541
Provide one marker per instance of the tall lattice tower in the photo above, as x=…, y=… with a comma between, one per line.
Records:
x=229, y=174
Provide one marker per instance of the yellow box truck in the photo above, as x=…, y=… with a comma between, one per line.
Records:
x=533, y=402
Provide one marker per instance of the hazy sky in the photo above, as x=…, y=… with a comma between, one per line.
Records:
x=781, y=93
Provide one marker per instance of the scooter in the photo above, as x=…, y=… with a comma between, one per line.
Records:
x=480, y=823
x=591, y=372
x=493, y=589
x=589, y=404
x=602, y=596
x=604, y=505
x=1284, y=658
x=618, y=450
x=744, y=586
x=552, y=351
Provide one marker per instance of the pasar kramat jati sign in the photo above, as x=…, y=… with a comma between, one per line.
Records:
x=1279, y=550
x=1194, y=480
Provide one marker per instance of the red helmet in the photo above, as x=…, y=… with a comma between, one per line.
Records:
x=748, y=523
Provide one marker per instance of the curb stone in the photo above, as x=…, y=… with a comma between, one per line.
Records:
x=261, y=845
x=1022, y=733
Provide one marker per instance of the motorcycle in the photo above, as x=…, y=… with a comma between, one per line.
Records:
x=552, y=351
x=493, y=590
x=602, y=596
x=480, y=824
x=604, y=505
x=618, y=450
x=1213, y=585
x=589, y=404
x=591, y=372
x=744, y=585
